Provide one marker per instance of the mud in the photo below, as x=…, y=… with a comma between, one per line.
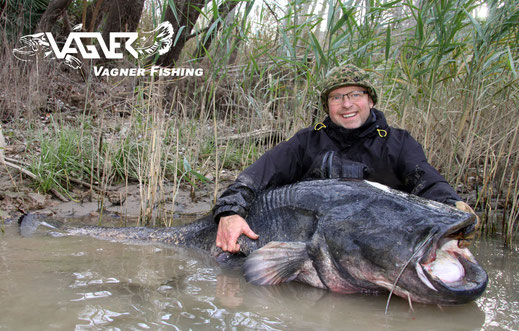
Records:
x=17, y=197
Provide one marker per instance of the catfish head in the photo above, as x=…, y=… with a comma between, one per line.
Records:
x=403, y=244
x=38, y=44
x=162, y=37
x=33, y=44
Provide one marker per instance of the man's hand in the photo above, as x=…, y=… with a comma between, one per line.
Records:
x=229, y=229
x=466, y=240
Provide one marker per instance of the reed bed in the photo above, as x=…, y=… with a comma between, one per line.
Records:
x=445, y=74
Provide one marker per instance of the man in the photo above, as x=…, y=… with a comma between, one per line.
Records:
x=354, y=141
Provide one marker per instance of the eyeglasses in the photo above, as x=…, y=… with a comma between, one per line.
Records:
x=336, y=99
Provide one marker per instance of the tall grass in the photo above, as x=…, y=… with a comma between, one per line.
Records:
x=444, y=74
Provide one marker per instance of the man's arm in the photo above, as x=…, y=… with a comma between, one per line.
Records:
x=424, y=180
x=278, y=166
x=421, y=178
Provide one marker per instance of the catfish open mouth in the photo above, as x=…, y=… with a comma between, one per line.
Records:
x=449, y=268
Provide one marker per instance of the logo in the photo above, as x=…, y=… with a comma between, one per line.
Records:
x=44, y=43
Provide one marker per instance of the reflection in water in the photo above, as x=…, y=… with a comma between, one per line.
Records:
x=501, y=300
x=86, y=284
x=228, y=291
x=96, y=316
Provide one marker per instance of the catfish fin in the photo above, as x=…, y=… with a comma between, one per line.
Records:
x=276, y=262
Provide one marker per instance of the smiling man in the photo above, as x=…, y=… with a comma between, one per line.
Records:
x=354, y=141
x=349, y=107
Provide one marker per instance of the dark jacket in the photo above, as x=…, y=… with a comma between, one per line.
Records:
x=375, y=151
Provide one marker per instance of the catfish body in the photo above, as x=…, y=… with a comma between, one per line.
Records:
x=346, y=236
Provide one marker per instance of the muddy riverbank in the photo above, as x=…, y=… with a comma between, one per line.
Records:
x=121, y=207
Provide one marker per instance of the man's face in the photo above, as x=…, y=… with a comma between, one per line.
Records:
x=350, y=114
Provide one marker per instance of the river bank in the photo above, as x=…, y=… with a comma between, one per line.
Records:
x=120, y=208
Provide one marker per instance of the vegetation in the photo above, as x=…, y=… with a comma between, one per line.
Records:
x=21, y=17
x=446, y=71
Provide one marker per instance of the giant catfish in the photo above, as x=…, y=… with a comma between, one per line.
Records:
x=346, y=236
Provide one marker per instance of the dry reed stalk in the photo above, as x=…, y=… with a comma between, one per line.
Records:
x=157, y=153
x=513, y=144
x=514, y=210
x=216, y=158
x=105, y=182
x=3, y=145
x=176, y=180
x=469, y=140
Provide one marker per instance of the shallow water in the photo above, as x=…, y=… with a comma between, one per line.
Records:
x=84, y=283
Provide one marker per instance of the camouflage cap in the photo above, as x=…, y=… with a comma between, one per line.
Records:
x=344, y=76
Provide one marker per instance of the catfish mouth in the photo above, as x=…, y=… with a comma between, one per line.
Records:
x=451, y=271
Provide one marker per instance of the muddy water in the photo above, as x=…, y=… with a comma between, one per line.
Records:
x=66, y=283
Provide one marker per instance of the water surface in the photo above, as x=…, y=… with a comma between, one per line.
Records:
x=82, y=283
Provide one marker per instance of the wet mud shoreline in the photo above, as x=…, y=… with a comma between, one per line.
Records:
x=17, y=197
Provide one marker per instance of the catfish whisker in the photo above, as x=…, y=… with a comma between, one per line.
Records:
x=425, y=242
x=410, y=303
